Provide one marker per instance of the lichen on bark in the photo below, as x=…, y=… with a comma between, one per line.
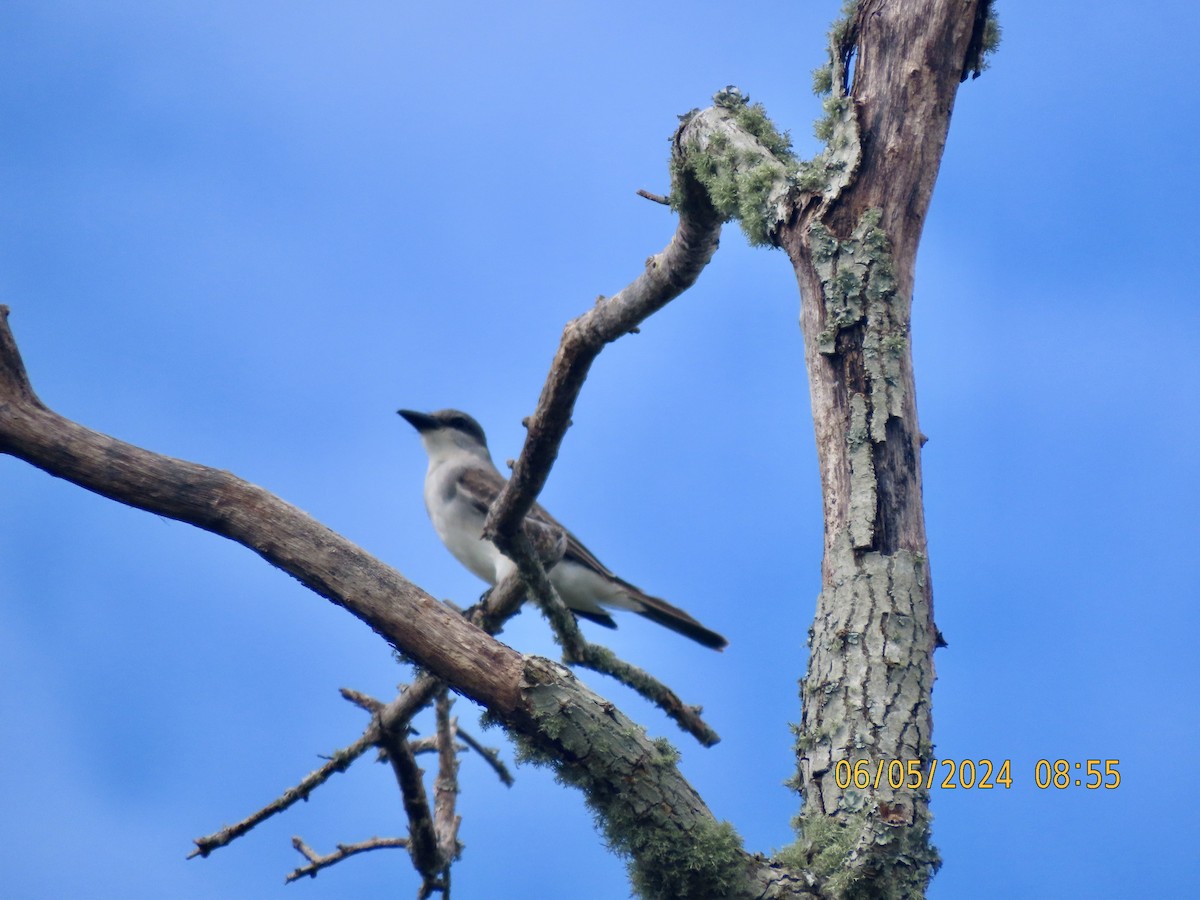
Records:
x=862, y=474
x=866, y=697
x=743, y=161
x=834, y=168
x=648, y=814
x=859, y=289
x=834, y=852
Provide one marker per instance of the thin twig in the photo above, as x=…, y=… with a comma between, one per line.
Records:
x=430, y=745
x=657, y=198
x=601, y=659
x=340, y=761
x=316, y=862
x=579, y=651
x=490, y=755
x=362, y=701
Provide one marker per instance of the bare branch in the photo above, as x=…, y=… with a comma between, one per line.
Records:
x=490, y=754
x=422, y=839
x=657, y=198
x=316, y=862
x=362, y=701
x=398, y=713
x=445, y=787
x=502, y=603
x=434, y=636
x=430, y=745
x=666, y=276
x=340, y=761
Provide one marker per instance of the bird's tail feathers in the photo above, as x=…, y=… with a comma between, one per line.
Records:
x=663, y=613
x=599, y=617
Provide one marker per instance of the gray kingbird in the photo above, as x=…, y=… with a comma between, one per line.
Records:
x=461, y=484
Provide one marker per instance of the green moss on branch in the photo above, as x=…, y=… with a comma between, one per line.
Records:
x=742, y=160
x=645, y=810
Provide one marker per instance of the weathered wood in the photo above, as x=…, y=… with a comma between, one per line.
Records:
x=895, y=69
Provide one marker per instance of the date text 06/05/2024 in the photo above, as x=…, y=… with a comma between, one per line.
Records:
x=983, y=774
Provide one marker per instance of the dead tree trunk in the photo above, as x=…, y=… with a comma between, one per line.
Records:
x=895, y=69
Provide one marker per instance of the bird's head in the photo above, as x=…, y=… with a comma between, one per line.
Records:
x=447, y=429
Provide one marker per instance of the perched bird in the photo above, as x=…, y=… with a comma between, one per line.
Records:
x=460, y=486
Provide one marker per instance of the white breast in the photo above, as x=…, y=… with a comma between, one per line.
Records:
x=459, y=524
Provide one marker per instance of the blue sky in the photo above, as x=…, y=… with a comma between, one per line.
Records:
x=245, y=234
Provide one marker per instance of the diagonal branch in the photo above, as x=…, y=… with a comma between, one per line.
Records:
x=758, y=151
x=601, y=659
x=340, y=761
x=490, y=755
x=429, y=632
x=666, y=275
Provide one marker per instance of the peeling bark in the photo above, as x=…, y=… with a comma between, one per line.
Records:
x=867, y=694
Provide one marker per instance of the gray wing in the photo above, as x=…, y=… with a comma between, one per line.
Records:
x=653, y=608
x=538, y=518
x=480, y=487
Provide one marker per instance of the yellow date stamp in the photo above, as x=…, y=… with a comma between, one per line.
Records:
x=974, y=774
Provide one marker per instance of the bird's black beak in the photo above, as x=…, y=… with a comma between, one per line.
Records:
x=421, y=421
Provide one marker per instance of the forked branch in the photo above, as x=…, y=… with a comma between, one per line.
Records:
x=317, y=862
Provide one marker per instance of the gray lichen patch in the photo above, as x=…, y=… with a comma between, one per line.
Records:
x=831, y=171
x=823, y=847
x=747, y=166
x=710, y=868
x=752, y=117
x=859, y=287
x=842, y=855
x=862, y=475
